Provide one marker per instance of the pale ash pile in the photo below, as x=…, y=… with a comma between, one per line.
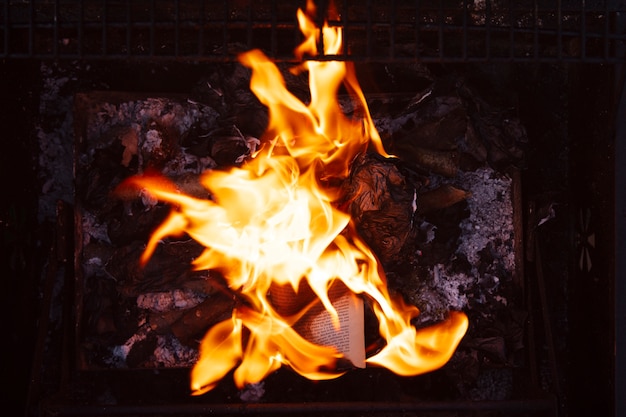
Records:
x=487, y=243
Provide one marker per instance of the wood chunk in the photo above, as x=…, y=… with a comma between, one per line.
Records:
x=169, y=268
x=441, y=197
x=196, y=321
x=440, y=121
x=444, y=163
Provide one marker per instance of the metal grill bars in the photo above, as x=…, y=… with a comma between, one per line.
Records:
x=380, y=31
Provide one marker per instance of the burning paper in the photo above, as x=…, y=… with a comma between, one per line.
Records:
x=274, y=223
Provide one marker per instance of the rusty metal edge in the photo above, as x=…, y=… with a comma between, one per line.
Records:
x=538, y=405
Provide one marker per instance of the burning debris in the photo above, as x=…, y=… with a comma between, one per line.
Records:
x=433, y=217
x=440, y=238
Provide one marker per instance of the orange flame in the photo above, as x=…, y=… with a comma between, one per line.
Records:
x=273, y=222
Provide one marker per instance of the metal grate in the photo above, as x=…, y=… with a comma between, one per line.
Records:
x=381, y=31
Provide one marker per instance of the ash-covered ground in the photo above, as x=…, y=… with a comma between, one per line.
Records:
x=458, y=254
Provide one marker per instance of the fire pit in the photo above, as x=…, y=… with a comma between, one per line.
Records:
x=460, y=218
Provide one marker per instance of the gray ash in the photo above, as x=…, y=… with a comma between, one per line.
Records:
x=441, y=253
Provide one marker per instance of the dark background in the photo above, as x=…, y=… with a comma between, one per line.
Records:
x=22, y=239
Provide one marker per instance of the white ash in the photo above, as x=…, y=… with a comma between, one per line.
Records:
x=153, y=140
x=170, y=353
x=142, y=116
x=491, y=216
x=252, y=392
x=177, y=299
x=442, y=293
x=120, y=353
x=92, y=229
x=451, y=285
x=161, y=111
x=488, y=227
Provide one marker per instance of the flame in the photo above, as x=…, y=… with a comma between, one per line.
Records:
x=273, y=222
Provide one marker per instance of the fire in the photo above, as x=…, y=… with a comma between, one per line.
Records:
x=274, y=222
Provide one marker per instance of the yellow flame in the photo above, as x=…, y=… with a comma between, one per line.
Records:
x=273, y=222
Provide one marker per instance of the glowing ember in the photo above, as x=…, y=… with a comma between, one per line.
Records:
x=272, y=222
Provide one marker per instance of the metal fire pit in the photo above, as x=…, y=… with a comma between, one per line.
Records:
x=549, y=38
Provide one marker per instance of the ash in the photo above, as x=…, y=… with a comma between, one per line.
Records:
x=460, y=257
x=166, y=352
x=490, y=223
x=484, y=257
x=252, y=392
x=486, y=240
x=170, y=300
